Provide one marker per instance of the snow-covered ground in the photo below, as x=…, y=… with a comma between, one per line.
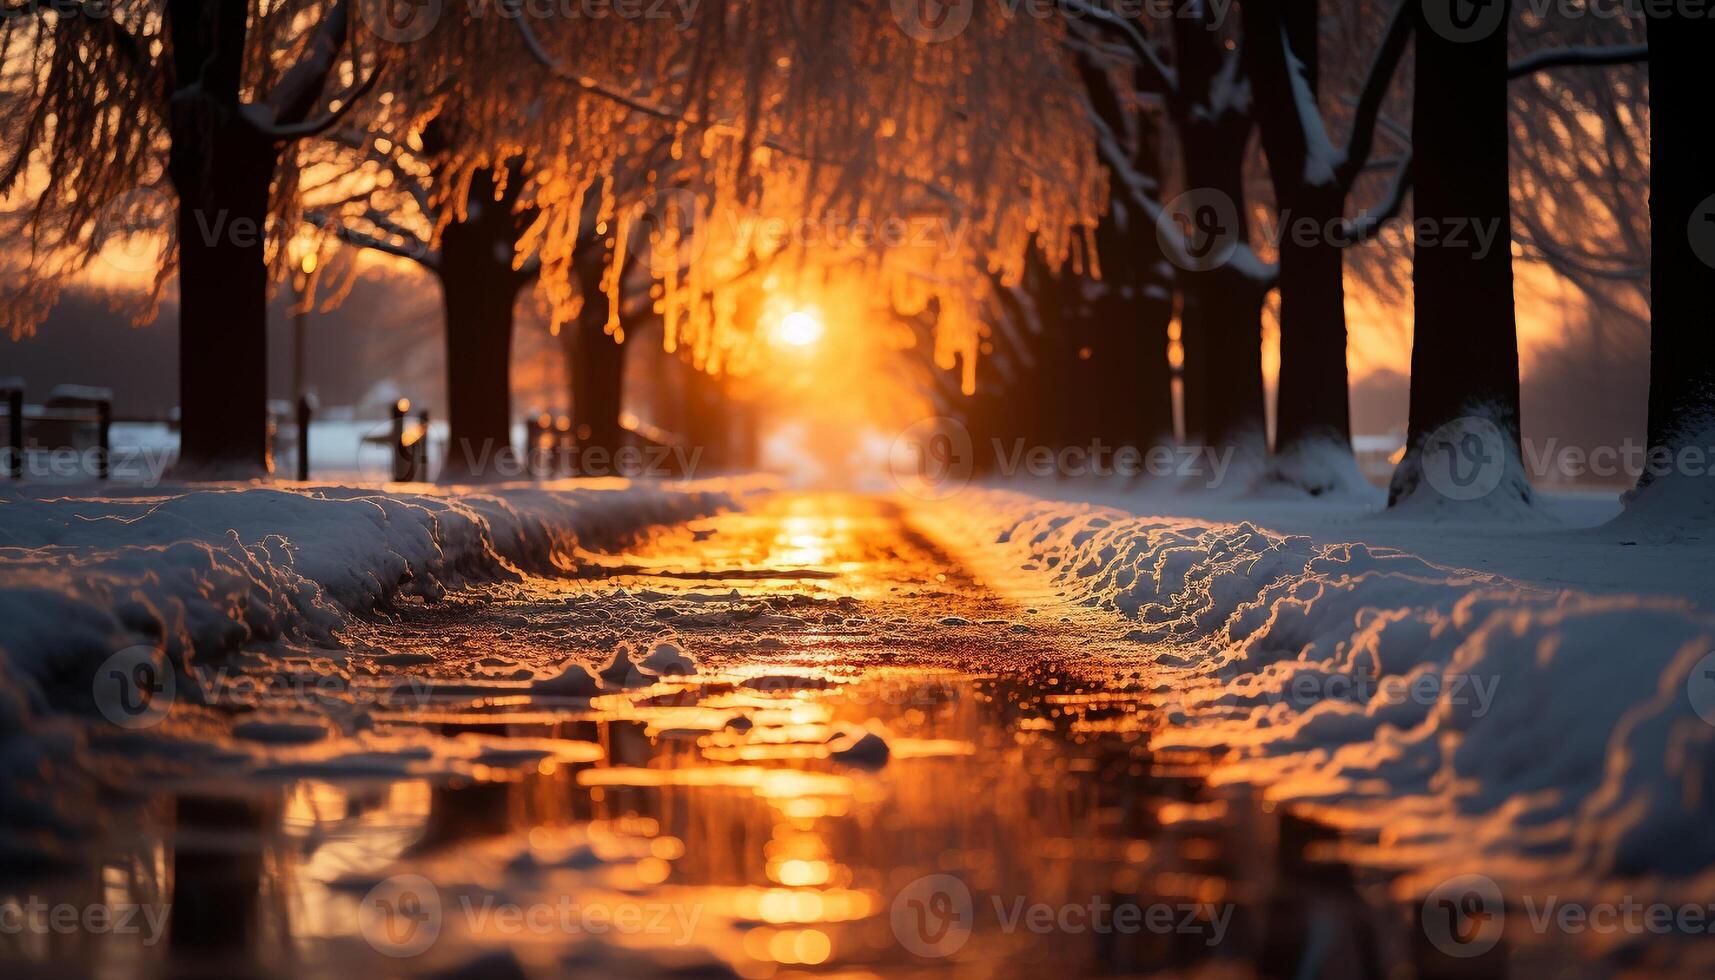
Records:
x=1461, y=718
x=1571, y=540
x=1530, y=700
x=210, y=568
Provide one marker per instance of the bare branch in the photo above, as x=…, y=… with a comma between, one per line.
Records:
x=1369, y=105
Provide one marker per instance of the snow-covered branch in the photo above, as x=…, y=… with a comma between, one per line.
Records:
x=1369, y=224
x=295, y=96
x=1593, y=56
x=1158, y=75
x=414, y=248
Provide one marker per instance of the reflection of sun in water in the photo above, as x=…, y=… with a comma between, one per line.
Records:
x=800, y=328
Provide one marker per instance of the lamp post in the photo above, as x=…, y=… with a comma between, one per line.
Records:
x=304, y=267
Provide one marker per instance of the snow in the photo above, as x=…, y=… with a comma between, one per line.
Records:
x=1477, y=716
x=207, y=569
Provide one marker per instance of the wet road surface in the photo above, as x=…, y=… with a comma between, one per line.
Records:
x=830, y=751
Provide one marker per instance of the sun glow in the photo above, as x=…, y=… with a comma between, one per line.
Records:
x=800, y=328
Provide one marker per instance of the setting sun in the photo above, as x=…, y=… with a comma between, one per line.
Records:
x=799, y=329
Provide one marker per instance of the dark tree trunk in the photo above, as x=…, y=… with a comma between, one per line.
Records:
x=1221, y=316
x=1464, y=356
x=1123, y=318
x=1682, y=256
x=479, y=288
x=479, y=396
x=222, y=169
x=1312, y=405
x=597, y=373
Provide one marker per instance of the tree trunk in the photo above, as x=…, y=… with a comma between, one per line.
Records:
x=1682, y=261
x=598, y=376
x=1221, y=316
x=479, y=323
x=479, y=288
x=1313, y=423
x=221, y=168
x=1463, y=436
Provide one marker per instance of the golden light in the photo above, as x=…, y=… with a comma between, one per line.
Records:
x=800, y=328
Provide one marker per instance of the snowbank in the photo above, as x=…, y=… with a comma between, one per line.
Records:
x=1480, y=719
x=198, y=570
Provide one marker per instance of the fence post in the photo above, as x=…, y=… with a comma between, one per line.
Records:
x=104, y=437
x=304, y=413
x=535, y=439
x=15, y=432
x=420, y=449
x=564, y=449
x=400, y=460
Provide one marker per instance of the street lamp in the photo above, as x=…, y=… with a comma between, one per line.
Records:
x=303, y=267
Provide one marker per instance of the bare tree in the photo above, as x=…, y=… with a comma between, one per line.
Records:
x=1682, y=264
x=206, y=98
x=1464, y=358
